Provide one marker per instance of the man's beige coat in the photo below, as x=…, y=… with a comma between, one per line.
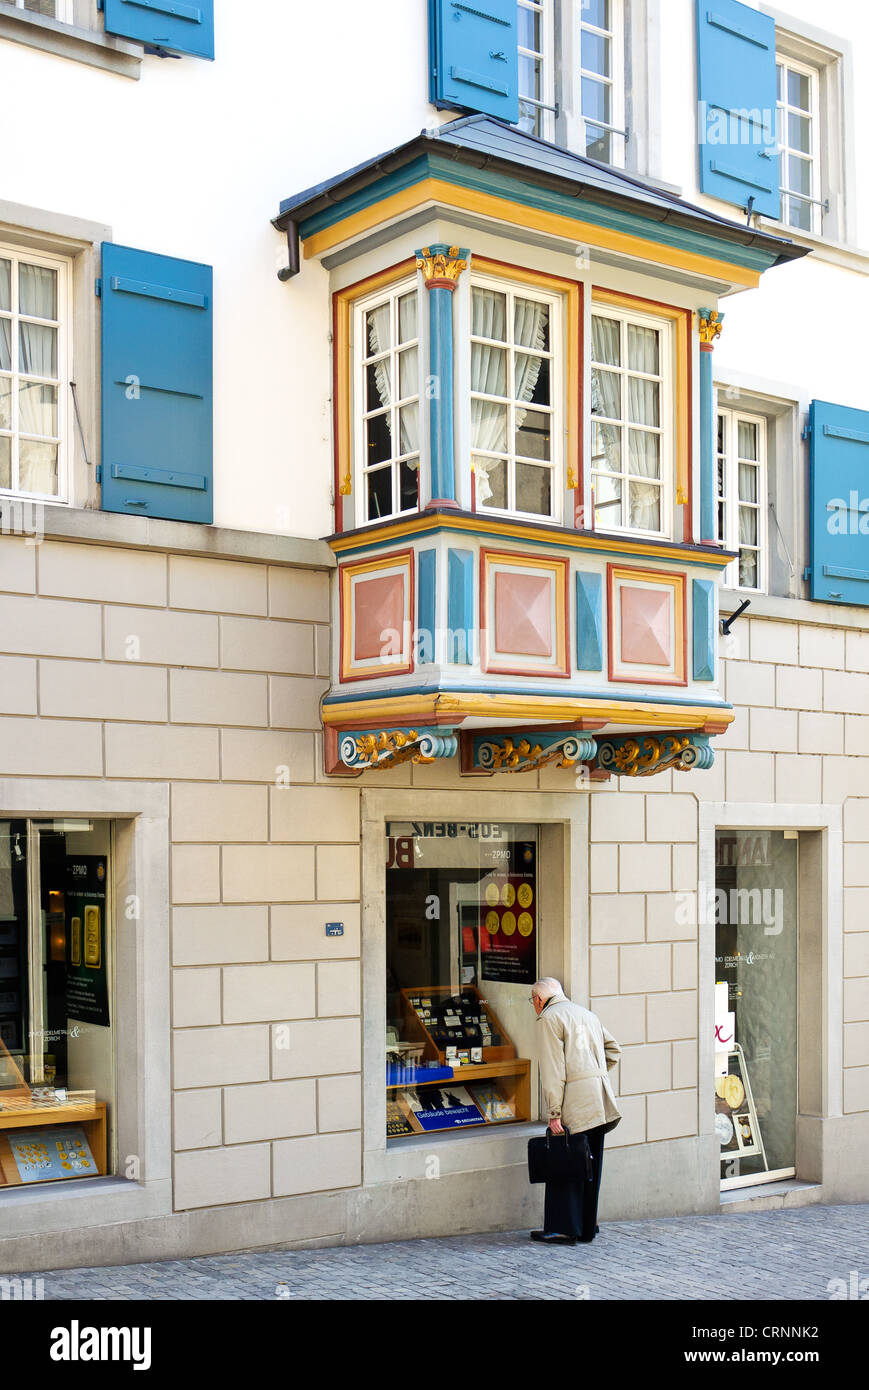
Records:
x=576, y=1052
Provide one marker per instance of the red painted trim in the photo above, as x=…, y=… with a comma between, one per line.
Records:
x=549, y=563
x=580, y=522
x=645, y=680
x=336, y=450
x=382, y=669
x=332, y=763
x=688, y=512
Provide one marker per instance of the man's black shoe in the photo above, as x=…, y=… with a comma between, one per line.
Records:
x=552, y=1238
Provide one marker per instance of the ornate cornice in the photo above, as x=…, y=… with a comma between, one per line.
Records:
x=647, y=754
x=441, y=265
x=710, y=323
x=389, y=747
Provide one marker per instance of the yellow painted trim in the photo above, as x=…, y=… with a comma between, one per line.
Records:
x=418, y=708
x=343, y=302
x=507, y=530
x=682, y=404
x=517, y=214
x=620, y=669
x=552, y=284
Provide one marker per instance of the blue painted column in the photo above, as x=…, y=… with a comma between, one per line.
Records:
x=710, y=329
x=441, y=266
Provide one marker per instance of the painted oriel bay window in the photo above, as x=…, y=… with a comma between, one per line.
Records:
x=34, y=323
x=515, y=407
x=631, y=414
x=742, y=496
x=388, y=440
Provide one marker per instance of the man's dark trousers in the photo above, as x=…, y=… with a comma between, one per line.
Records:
x=570, y=1208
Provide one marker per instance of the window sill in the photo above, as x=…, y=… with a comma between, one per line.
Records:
x=92, y=47
x=823, y=248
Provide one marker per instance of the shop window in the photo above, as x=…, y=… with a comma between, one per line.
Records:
x=56, y=1000
x=386, y=339
x=756, y=921
x=462, y=928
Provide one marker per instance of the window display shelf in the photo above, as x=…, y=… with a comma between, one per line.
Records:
x=19, y=1114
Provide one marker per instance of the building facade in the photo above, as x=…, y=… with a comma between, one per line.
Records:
x=349, y=685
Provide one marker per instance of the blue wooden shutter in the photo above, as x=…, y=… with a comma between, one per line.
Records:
x=178, y=25
x=475, y=56
x=156, y=385
x=839, y=503
x=736, y=89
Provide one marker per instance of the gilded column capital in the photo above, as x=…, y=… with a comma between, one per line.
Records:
x=710, y=323
x=442, y=265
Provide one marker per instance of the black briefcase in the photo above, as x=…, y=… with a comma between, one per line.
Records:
x=560, y=1158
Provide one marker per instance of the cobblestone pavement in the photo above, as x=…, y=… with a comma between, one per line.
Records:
x=768, y=1255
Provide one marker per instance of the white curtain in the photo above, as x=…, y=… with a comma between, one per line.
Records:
x=379, y=341
x=489, y=372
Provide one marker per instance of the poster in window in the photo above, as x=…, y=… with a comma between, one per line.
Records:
x=87, y=986
x=508, y=919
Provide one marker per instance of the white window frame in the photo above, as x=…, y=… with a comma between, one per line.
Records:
x=616, y=35
x=666, y=427
x=359, y=349
x=63, y=323
x=729, y=501
x=63, y=10
x=545, y=102
x=814, y=159
x=517, y=289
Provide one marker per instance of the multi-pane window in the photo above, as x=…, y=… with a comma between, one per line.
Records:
x=387, y=346
x=797, y=119
x=536, y=74
x=630, y=414
x=32, y=299
x=742, y=496
x=514, y=396
x=601, y=80
x=50, y=9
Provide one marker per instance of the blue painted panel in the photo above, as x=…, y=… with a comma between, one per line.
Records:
x=704, y=630
x=736, y=90
x=156, y=385
x=443, y=470
x=179, y=25
x=460, y=606
x=708, y=456
x=475, y=56
x=589, y=621
x=426, y=607
x=839, y=503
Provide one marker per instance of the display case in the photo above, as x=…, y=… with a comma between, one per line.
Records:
x=47, y=1135
x=468, y=1071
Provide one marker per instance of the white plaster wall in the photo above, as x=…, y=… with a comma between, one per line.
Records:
x=801, y=326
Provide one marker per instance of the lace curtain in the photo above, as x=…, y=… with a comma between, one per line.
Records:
x=489, y=372
x=379, y=341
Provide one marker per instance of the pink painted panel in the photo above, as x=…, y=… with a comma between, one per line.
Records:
x=378, y=606
x=647, y=630
x=523, y=613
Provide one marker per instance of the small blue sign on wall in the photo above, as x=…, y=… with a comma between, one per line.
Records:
x=334, y=928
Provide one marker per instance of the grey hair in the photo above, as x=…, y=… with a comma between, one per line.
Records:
x=547, y=988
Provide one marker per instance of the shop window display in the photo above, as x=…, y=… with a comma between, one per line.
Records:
x=56, y=999
x=462, y=931
x=756, y=900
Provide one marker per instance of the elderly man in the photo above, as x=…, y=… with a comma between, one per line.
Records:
x=576, y=1052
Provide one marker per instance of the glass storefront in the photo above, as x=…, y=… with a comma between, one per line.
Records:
x=56, y=999
x=756, y=902
x=462, y=922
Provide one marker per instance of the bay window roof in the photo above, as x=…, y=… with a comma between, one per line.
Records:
x=484, y=153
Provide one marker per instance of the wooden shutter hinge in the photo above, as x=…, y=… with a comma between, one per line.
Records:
x=98, y=288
